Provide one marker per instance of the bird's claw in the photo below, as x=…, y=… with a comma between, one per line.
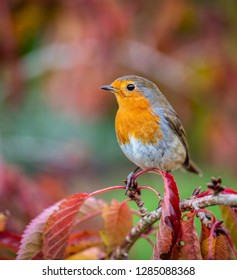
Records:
x=131, y=183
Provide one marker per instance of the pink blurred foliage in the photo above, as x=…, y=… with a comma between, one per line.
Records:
x=22, y=198
x=9, y=244
x=76, y=88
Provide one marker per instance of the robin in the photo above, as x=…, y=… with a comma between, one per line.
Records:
x=148, y=129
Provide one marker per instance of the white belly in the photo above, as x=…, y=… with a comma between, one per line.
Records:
x=162, y=155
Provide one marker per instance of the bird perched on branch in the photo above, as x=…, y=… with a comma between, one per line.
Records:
x=148, y=129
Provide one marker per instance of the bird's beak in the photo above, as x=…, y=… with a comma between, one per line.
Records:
x=108, y=87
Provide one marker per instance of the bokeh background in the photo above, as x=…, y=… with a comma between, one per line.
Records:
x=56, y=125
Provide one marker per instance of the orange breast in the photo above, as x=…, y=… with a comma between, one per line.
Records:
x=140, y=123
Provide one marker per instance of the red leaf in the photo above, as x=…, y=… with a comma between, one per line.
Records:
x=223, y=250
x=216, y=246
x=230, y=219
x=92, y=205
x=164, y=239
x=205, y=193
x=169, y=228
x=81, y=241
x=54, y=224
x=189, y=242
x=229, y=191
x=58, y=226
x=31, y=242
x=210, y=191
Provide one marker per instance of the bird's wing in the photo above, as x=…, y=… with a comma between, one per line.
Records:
x=175, y=124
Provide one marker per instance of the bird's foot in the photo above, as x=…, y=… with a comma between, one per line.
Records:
x=131, y=183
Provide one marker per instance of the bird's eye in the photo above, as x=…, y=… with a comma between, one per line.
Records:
x=131, y=87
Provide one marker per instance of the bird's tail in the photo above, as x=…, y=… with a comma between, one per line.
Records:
x=192, y=167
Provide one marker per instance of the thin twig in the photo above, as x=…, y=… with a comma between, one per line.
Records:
x=209, y=200
x=135, y=196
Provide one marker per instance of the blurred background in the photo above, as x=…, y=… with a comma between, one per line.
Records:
x=56, y=125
